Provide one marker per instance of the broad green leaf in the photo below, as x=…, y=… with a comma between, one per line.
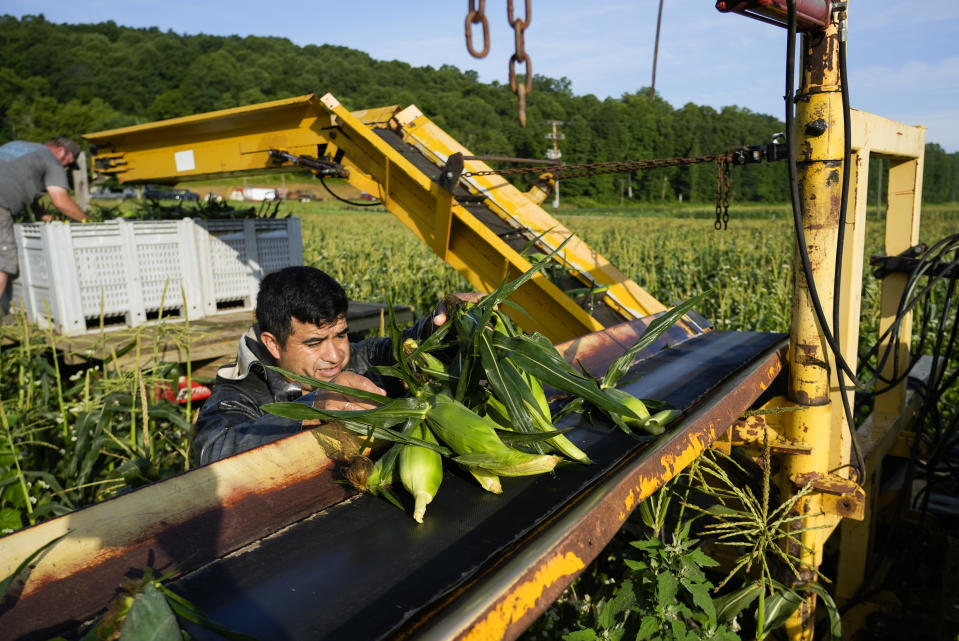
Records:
x=581, y=635
x=150, y=618
x=700, y=594
x=649, y=626
x=666, y=587
x=702, y=559
x=611, y=609
x=10, y=520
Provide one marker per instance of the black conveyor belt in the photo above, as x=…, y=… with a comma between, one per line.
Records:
x=363, y=569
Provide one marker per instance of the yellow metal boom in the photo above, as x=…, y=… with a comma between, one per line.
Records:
x=478, y=224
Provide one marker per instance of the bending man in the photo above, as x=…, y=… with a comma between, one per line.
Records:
x=27, y=171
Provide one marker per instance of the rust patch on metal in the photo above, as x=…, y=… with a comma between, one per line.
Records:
x=58, y=604
x=840, y=496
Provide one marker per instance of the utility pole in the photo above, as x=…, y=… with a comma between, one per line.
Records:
x=554, y=154
x=659, y=21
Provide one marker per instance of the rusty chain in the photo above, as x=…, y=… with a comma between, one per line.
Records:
x=477, y=15
x=520, y=57
x=722, y=193
x=598, y=168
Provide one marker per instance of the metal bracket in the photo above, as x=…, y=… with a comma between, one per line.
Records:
x=320, y=166
x=451, y=172
x=840, y=496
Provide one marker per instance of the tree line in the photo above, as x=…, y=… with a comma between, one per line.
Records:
x=61, y=79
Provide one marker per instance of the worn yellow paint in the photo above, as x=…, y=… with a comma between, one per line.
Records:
x=670, y=466
x=523, y=597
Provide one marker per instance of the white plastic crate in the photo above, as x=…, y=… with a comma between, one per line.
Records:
x=235, y=255
x=70, y=275
x=128, y=270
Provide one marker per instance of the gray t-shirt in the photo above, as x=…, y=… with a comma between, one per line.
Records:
x=26, y=170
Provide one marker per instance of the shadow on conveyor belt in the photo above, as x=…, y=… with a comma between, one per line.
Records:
x=365, y=570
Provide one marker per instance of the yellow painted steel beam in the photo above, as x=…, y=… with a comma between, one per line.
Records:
x=237, y=141
x=518, y=210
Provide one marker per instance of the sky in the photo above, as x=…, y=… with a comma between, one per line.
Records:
x=903, y=57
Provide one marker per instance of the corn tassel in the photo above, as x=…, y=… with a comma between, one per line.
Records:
x=474, y=440
x=421, y=471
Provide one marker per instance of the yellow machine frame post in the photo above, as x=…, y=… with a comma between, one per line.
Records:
x=820, y=143
x=904, y=147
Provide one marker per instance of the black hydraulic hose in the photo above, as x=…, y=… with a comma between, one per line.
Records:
x=840, y=239
x=794, y=194
x=344, y=200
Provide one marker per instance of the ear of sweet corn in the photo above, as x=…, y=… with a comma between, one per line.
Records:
x=421, y=471
x=467, y=433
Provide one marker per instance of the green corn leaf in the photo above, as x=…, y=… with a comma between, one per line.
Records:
x=655, y=329
x=374, y=422
x=778, y=608
x=333, y=387
x=188, y=611
x=395, y=411
x=5, y=584
x=835, y=618
x=503, y=389
x=509, y=437
x=730, y=605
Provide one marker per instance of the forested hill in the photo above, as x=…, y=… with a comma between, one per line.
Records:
x=59, y=79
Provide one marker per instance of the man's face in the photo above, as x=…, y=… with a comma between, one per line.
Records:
x=320, y=352
x=64, y=156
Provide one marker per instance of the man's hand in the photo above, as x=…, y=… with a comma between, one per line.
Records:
x=62, y=201
x=328, y=400
x=441, y=313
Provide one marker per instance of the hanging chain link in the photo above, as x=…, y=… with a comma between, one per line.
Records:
x=477, y=15
x=726, y=172
x=520, y=57
x=722, y=193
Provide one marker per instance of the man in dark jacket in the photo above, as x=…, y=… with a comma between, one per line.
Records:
x=301, y=327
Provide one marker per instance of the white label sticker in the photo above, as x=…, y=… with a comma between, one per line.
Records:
x=184, y=160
